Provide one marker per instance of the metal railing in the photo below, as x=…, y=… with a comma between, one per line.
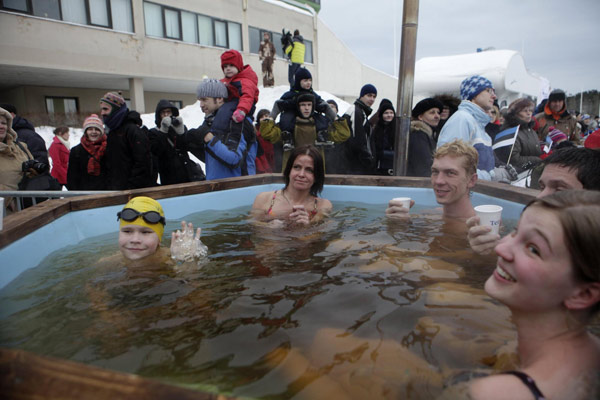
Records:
x=35, y=196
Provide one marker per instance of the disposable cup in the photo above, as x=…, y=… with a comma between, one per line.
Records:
x=404, y=200
x=489, y=215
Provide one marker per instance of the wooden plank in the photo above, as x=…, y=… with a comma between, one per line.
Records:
x=25, y=375
x=506, y=192
x=24, y=222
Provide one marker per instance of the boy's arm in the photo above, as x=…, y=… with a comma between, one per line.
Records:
x=248, y=94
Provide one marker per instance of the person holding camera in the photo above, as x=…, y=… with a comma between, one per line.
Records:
x=13, y=159
x=169, y=144
x=294, y=48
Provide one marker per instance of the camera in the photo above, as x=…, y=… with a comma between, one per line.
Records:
x=37, y=166
x=174, y=121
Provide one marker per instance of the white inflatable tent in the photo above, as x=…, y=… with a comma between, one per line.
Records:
x=505, y=68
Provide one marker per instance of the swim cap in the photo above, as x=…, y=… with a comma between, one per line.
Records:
x=144, y=204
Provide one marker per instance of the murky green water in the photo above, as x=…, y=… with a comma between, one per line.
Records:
x=358, y=307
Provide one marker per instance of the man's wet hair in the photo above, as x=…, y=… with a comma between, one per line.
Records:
x=585, y=162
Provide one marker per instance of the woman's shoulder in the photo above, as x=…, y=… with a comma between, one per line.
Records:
x=262, y=198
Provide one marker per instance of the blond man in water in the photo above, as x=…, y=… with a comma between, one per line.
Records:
x=453, y=175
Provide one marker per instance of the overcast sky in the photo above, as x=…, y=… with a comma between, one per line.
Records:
x=559, y=40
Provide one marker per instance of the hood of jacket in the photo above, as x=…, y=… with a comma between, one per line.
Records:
x=11, y=135
x=162, y=105
x=477, y=112
x=418, y=125
x=22, y=123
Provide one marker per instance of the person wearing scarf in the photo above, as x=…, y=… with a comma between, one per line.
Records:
x=128, y=157
x=87, y=164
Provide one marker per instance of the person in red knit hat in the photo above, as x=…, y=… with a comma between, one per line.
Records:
x=241, y=81
x=593, y=140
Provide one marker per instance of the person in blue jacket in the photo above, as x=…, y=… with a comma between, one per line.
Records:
x=229, y=151
x=468, y=124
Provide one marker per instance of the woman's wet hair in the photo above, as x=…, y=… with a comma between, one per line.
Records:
x=579, y=214
x=319, y=169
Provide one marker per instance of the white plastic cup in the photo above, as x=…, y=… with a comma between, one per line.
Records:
x=405, y=201
x=490, y=215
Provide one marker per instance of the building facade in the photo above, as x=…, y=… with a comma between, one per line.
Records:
x=60, y=56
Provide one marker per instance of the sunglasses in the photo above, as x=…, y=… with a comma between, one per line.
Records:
x=130, y=215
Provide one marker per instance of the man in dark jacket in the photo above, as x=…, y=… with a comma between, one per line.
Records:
x=169, y=143
x=421, y=143
x=128, y=156
x=26, y=133
x=356, y=155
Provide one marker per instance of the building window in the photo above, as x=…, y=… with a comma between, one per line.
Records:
x=256, y=35
x=62, y=110
x=111, y=14
x=172, y=23
x=308, y=55
x=177, y=103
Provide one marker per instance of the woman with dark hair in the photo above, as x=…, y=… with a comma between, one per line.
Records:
x=383, y=138
x=526, y=152
x=59, y=153
x=298, y=202
x=548, y=275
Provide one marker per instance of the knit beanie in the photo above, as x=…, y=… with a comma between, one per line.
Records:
x=302, y=73
x=516, y=106
x=115, y=100
x=385, y=105
x=93, y=121
x=232, y=57
x=556, y=135
x=593, y=140
x=426, y=105
x=557, y=94
x=368, y=88
x=144, y=204
x=473, y=85
x=211, y=88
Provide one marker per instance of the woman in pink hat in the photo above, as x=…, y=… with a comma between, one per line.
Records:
x=87, y=164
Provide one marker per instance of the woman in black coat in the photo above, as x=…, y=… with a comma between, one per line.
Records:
x=87, y=164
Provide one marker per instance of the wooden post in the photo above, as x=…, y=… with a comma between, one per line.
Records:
x=406, y=79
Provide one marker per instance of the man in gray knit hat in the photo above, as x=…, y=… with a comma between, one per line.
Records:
x=230, y=150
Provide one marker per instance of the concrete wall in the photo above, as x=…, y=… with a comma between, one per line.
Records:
x=83, y=61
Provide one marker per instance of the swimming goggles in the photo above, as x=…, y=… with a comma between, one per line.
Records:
x=130, y=215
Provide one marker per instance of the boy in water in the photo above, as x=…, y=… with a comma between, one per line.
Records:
x=141, y=227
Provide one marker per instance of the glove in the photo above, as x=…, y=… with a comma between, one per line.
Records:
x=177, y=124
x=165, y=124
x=514, y=175
x=502, y=174
x=238, y=116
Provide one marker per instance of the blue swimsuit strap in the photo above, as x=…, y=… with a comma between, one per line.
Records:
x=529, y=382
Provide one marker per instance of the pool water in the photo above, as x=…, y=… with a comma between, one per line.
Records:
x=356, y=307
